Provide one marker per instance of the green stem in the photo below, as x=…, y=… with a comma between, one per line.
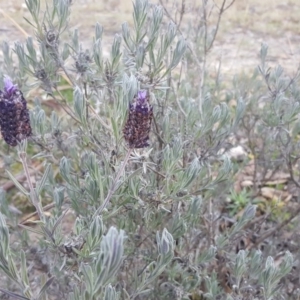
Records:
x=33, y=195
x=114, y=185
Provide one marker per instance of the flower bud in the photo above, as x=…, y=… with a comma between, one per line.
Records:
x=14, y=115
x=137, y=127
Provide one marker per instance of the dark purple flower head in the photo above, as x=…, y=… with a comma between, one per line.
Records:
x=137, y=127
x=14, y=115
x=141, y=103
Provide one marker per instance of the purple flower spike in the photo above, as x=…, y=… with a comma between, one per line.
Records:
x=137, y=127
x=142, y=96
x=9, y=87
x=14, y=115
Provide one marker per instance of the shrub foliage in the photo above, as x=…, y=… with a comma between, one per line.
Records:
x=134, y=151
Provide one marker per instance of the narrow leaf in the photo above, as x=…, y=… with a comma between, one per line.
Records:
x=17, y=184
x=13, y=295
x=45, y=286
x=24, y=268
x=44, y=179
x=31, y=229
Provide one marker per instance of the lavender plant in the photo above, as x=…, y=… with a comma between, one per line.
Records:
x=136, y=154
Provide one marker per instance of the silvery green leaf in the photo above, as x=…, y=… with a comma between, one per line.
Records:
x=116, y=52
x=12, y=267
x=79, y=226
x=22, y=147
x=42, y=155
x=43, y=180
x=14, y=295
x=240, y=266
x=38, y=232
x=270, y=277
x=58, y=221
x=287, y=264
x=110, y=257
x=79, y=105
x=207, y=255
x=126, y=37
x=154, y=269
x=58, y=196
x=249, y=214
x=17, y=184
x=157, y=15
x=95, y=233
x=139, y=17
x=130, y=88
x=165, y=243
x=65, y=52
x=195, y=206
x=212, y=285
x=222, y=241
x=162, y=88
x=4, y=237
x=75, y=295
x=166, y=41
x=45, y=287
x=31, y=51
x=178, y=227
x=65, y=169
x=178, y=53
x=140, y=56
x=24, y=269
x=240, y=110
x=8, y=61
x=255, y=264
x=22, y=57
x=224, y=170
x=98, y=31
x=263, y=55
x=97, y=54
x=75, y=41
x=110, y=293
x=33, y=6
x=191, y=173
x=55, y=122
x=88, y=278
x=40, y=122
x=61, y=9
